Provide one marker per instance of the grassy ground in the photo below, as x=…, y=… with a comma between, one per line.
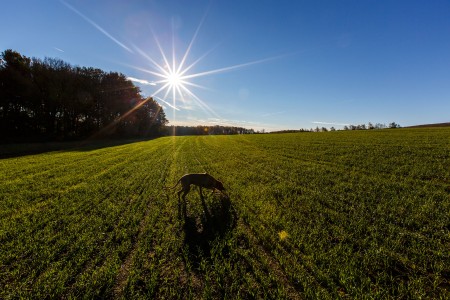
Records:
x=362, y=214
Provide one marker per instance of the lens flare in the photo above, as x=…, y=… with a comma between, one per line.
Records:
x=173, y=78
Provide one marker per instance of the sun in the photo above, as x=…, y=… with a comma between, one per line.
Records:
x=174, y=79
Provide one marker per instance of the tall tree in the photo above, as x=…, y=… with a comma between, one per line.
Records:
x=15, y=94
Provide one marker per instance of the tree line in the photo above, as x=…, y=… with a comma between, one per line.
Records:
x=369, y=126
x=46, y=100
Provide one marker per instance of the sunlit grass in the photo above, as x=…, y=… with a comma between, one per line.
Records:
x=311, y=215
x=283, y=235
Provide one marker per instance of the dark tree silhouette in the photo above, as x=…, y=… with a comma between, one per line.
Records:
x=394, y=125
x=51, y=100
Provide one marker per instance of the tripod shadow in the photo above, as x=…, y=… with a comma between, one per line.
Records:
x=201, y=231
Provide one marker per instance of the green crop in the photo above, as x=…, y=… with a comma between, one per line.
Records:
x=357, y=214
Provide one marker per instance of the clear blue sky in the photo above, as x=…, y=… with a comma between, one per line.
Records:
x=294, y=64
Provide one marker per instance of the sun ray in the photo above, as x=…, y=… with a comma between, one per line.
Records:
x=144, y=70
x=158, y=66
x=167, y=103
x=172, y=71
x=181, y=95
x=199, y=101
x=175, y=81
x=98, y=27
x=188, y=50
x=182, y=72
x=160, y=89
x=226, y=69
x=174, y=101
x=116, y=121
x=194, y=85
x=161, y=51
x=167, y=91
x=175, y=77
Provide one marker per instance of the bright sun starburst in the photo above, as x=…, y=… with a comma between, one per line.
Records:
x=171, y=78
x=174, y=80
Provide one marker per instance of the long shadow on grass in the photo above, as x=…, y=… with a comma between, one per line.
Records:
x=21, y=149
x=201, y=232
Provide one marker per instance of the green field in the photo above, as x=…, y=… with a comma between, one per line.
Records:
x=354, y=214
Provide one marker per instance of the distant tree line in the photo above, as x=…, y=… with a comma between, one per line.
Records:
x=206, y=130
x=291, y=131
x=369, y=126
x=51, y=100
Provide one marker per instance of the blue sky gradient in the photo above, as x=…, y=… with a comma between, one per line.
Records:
x=294, y=64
